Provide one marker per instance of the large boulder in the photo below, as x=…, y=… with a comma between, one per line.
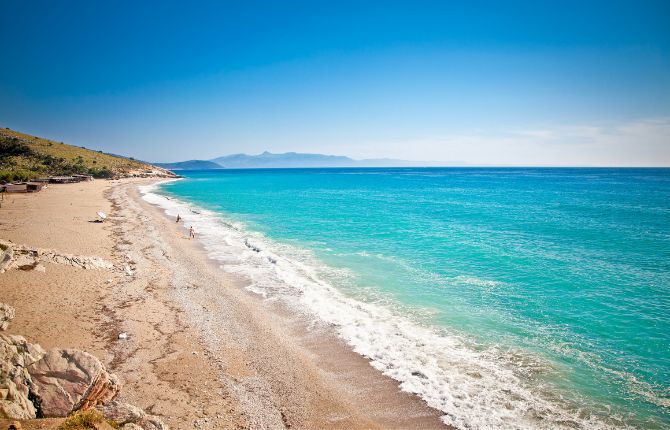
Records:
x=67, y=380
x=131, y=417
x=6, y=255
x=7, y=314
x=16, y=354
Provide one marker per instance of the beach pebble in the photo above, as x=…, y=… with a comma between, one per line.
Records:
x=152, y=422
x=123, y=335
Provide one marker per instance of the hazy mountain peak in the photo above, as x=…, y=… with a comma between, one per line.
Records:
x=296, y=160
x=270, y=160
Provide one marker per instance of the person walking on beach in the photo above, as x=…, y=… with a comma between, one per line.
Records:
x=191, y=233
x=178, y=218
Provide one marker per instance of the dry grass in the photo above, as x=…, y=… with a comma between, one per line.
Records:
x=90, y=419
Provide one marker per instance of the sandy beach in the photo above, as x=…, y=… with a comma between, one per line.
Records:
x=201, y=351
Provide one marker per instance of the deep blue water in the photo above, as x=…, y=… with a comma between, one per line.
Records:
x=559, y=276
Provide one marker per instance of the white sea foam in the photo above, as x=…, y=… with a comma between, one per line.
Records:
x=476, y=387
x=477, y=282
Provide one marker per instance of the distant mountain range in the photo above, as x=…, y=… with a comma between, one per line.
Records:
x=285, y=160
x=190, y=165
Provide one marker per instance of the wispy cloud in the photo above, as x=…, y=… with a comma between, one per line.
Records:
x=643, y=142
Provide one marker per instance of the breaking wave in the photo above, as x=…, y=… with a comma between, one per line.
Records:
x=475, y=386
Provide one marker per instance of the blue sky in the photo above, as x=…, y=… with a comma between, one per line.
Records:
x=505, y=83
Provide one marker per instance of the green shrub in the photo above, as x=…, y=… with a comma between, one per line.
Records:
x=15, y=175
x=103, y=173
x=11, y=147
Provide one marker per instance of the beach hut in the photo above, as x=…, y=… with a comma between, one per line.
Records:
x=61, y=180
x=16, y=188
x=34, y=187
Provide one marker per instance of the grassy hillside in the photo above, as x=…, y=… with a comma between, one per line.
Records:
x=24, y=157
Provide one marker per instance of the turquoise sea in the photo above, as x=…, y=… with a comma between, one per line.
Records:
x=505, y=297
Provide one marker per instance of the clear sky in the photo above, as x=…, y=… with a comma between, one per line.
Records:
x=504, y=82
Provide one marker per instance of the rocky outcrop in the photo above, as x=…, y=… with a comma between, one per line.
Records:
x=67, y=380
x=14, y=256
x=16, y=354
x=49, y=384
x=7, y=314
x=35, y=383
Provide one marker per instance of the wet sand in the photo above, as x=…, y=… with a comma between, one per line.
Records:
x=202, y=351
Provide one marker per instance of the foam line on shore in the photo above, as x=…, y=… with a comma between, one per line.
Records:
x=474, y=386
